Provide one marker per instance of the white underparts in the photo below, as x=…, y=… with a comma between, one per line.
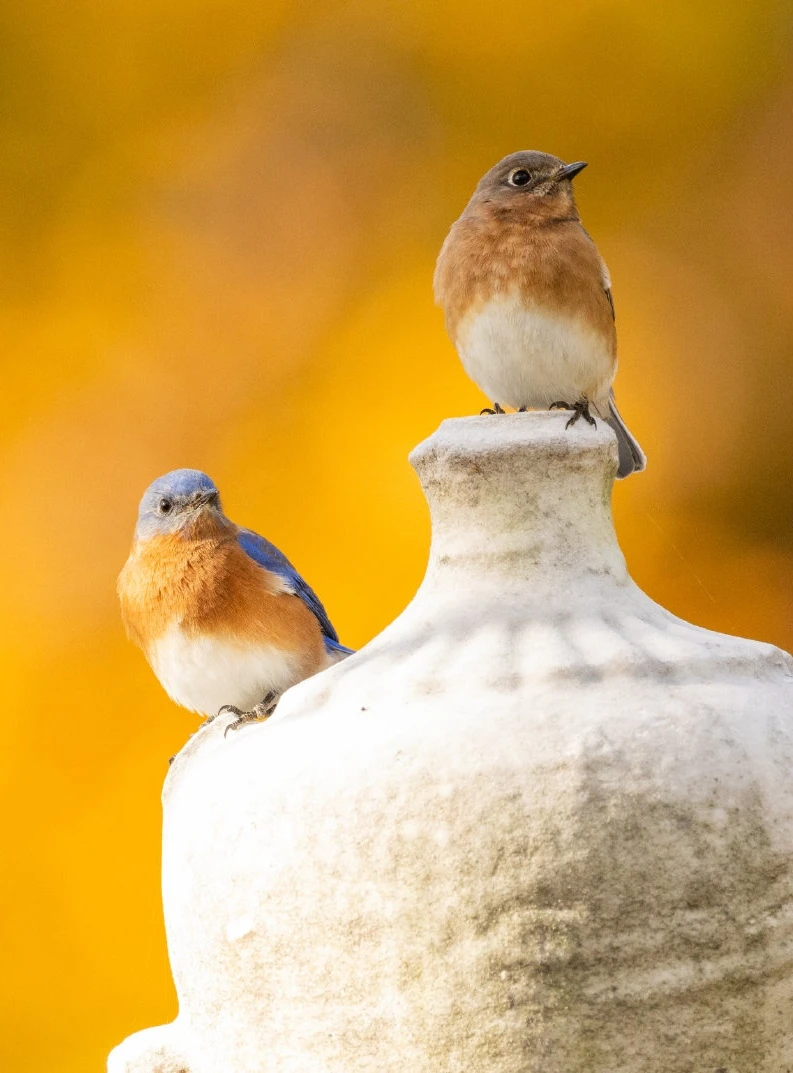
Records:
x=532, y=357
x=204, y=673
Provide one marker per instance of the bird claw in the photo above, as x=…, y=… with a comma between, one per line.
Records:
x=259, y=712
x=496, y=410
x=580, y=409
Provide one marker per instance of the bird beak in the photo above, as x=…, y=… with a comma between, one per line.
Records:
x=569, y=171
x=200, y=499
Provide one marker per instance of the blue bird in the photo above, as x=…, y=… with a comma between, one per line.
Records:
x=223, y=617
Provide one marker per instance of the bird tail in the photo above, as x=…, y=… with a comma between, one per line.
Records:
x=631, y=456
x=337, y=651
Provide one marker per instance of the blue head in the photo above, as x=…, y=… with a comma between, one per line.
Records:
x=173, y=501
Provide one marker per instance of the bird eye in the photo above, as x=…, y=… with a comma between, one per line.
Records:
x=520, y=177
x=165, y=506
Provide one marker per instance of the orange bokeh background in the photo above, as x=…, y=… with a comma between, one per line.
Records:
x=219, y=228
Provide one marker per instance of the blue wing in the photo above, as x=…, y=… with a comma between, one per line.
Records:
x=267, y=555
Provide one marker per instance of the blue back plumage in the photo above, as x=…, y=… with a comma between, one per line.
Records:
x=271, y=558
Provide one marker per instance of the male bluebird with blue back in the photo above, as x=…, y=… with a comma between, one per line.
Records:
x=527, y=297
x=223, y=617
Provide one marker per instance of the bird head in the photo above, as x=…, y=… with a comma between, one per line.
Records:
x=174, y=501
x=538, y=180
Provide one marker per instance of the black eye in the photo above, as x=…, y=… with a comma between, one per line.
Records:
x=520, y=177
x=165, y=506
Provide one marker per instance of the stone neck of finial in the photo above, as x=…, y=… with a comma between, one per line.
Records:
x=520, y=504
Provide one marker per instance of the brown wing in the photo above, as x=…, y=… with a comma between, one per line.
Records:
x=606, y=277
x=604, y=274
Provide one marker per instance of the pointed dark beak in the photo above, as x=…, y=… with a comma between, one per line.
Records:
x=569, y=171
x=200, y=499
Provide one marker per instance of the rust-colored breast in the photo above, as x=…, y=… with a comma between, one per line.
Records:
x=502, y=248
x=207, y=585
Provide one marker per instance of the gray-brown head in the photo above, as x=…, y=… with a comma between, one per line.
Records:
x=538, y=181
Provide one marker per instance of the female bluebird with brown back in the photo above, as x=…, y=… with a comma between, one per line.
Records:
x=527, y=297
x=223, y=617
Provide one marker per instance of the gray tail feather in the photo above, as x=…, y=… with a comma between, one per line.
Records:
x=632, y=459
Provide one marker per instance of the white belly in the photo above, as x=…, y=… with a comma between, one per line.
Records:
x=203, y=673
x=531, y=357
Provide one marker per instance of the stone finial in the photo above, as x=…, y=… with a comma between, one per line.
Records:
x=538, y=825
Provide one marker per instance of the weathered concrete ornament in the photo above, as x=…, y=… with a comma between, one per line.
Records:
x=538, y=825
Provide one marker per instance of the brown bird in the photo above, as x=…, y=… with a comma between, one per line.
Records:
x=527, y=297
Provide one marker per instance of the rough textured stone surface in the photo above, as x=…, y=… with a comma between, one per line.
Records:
x=538, y=825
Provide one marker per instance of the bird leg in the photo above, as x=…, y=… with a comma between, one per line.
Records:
x=261, y=711
x=496, y=410
x=580, y=409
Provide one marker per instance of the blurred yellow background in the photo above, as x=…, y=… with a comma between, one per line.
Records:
x=218, y=233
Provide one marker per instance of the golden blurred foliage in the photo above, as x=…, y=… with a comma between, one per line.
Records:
x=218, y=232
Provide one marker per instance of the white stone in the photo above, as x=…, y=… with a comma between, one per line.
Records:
x=538, y=825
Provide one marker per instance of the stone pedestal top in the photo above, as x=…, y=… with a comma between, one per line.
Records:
x=538, y=825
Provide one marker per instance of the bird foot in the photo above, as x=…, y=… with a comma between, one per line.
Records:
x=496, y=410
x=261, y=711
x=580, y=409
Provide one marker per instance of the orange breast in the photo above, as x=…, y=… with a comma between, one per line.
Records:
x=209, y=586
x=500, y=249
